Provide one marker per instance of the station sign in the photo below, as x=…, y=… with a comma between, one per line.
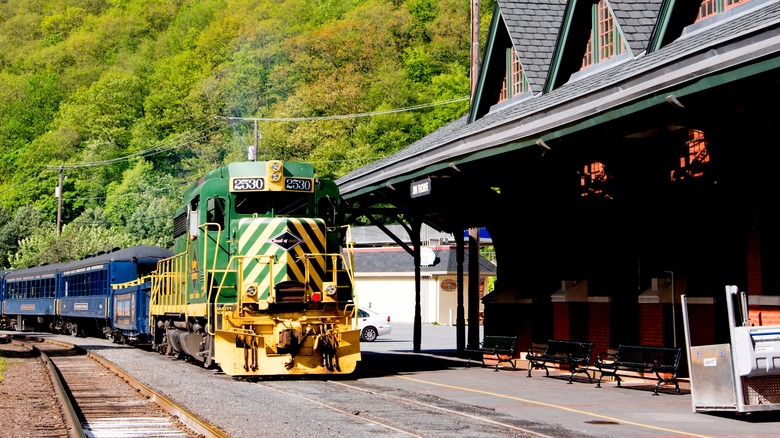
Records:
x=420, y=188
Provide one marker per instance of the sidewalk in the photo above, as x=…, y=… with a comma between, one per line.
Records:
x=609, y=411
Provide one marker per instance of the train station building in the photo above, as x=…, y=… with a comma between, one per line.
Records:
x=620, y=154
x=385, y=275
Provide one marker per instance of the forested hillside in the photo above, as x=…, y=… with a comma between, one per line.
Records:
x=131, y=98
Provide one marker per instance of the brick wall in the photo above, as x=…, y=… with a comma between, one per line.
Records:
x=598, y=327
x=561, y=321
x=764, y=315
x=651, y=323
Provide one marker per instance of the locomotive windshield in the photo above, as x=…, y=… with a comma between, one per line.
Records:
x=273, y=203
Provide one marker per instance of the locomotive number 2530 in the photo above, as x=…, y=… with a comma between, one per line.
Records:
x=298, y=184
x=248, y=184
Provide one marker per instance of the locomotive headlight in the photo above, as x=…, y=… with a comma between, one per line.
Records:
x=251, y=291
x=275, y=170
x=330, y=289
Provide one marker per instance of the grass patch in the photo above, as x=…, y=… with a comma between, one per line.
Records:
x=3, y=364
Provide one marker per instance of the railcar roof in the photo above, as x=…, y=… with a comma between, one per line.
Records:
x=142, y=253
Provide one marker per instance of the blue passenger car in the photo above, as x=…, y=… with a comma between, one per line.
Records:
x=5, y=323
x=30, y=297
x=130, y=312
x=86, y=287
x=75, y=297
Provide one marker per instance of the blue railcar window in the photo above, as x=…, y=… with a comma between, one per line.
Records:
x=90, y=283
x=38, y=288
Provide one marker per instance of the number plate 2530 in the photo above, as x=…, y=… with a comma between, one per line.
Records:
x=247, y=184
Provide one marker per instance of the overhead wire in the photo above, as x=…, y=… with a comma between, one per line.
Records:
x=349, y=116
x=211, y=130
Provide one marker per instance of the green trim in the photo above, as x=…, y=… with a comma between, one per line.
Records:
x=563, y=36
x=660, y=26
x=497, y=18
x=658, y=98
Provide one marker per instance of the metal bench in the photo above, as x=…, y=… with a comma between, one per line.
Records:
x=661, y=361
x=574, y=354
x=499, y=348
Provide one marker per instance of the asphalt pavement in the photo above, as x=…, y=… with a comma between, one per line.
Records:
x=610, y=411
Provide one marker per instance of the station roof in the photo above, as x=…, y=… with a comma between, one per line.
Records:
x=660, y=67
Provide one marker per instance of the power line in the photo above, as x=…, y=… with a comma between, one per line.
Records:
x=347, y=116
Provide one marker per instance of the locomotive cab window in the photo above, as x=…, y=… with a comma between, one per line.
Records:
x=291, y=204
x=272, y=204
x=326, y=209
x=252, y=203
x=215, y=213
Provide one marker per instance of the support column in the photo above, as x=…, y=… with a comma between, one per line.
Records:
x=599, y=332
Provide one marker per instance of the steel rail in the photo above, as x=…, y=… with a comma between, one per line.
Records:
x=198, y=425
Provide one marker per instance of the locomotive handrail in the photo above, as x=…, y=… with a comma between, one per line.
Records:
x=131, y=283
x=350, y=246
x=210, y=285
x=205, y=226
x=333, y=257
x=168, y=278
x=238, y=259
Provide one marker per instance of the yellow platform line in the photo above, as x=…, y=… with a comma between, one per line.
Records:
x=550, y=405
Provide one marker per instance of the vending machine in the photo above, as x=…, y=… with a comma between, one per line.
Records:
x=743, y=376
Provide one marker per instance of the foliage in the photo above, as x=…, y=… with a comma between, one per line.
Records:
x=129, y=97
x=16, y=227
x=87, y=235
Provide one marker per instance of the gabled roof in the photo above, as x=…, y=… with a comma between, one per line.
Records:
x=533, y=27
x=637, y=20
x=396, y=260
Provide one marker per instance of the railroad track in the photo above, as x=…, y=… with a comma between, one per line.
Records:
x=100, y=400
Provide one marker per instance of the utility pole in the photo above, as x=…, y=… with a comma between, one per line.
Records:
x=474, y=47
x=58, y=193
x=257, y=141
x=59, y=202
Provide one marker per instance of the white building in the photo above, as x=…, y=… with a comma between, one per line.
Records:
x=384, y=280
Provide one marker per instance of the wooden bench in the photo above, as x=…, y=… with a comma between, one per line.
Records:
x=573, y=354
x=498, y=348
x=661, y=361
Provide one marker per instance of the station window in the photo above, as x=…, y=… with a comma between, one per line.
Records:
x=605, y=33
x=515, y=81
x=711, y=8
x=593, y=180
x=693, y=158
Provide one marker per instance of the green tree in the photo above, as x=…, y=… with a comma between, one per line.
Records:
x=87, y=235
x=16, y=227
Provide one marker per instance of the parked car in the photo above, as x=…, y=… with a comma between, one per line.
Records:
x=373, y=324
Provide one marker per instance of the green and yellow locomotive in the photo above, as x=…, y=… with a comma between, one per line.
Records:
x=259, y=283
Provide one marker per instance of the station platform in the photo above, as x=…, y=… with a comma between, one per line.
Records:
x=610, y=411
